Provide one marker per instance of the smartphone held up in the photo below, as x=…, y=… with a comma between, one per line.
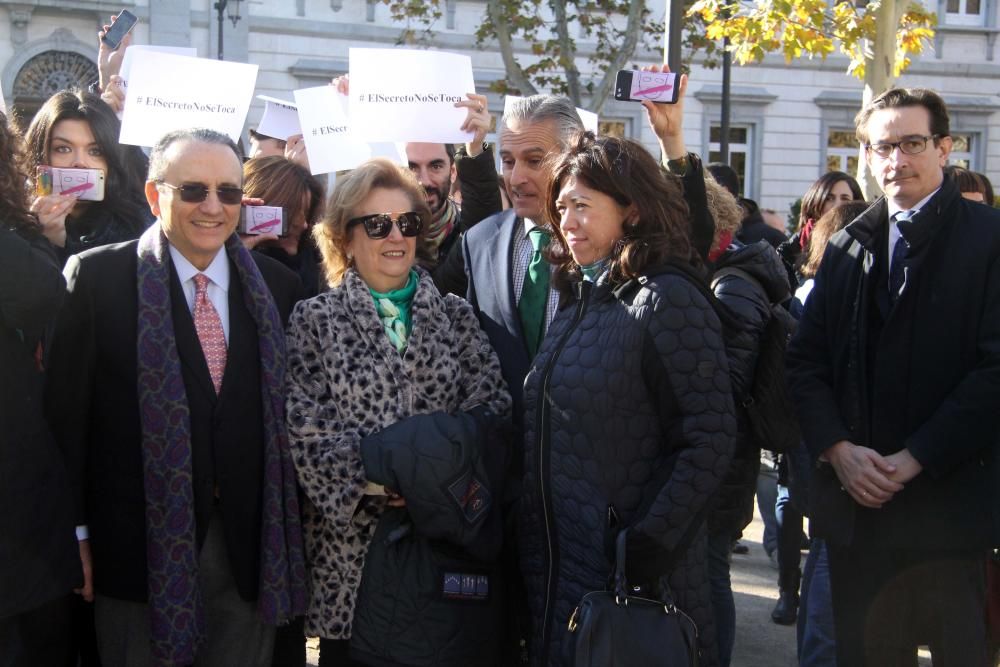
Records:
x=85, y=184
x=255, y=220
x=121, y=26
x=636, y=86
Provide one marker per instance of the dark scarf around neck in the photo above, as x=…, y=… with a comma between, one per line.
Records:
x=177, y=619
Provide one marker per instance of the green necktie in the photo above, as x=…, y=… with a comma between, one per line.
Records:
x=535, y=292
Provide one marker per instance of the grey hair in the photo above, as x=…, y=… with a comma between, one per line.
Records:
x=157, y=157
x=539, y=108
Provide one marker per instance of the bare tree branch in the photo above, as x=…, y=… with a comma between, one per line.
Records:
x=515, y=74
x=633, y=28
x=567, y=51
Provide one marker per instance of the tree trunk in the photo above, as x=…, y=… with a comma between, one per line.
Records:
x=879, y=77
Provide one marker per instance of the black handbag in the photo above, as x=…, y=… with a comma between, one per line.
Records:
x=615, y=629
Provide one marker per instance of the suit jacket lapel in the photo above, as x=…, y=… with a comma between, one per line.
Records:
x=242, y=334
x=188, y=345
x=502, y=269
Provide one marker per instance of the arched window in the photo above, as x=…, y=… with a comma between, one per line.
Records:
x=45, y=75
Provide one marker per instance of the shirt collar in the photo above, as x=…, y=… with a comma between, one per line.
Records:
x=217, y=271
x=531, y=224
x=895, y=208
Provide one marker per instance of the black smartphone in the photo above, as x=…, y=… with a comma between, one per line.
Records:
x=636, y=86
x=122, y=25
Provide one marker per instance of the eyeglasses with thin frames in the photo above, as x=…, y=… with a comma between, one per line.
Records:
x=195, y=193
x=379, y=225
x=909, y=145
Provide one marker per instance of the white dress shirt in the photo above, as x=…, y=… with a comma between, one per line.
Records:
x=218, y=283
x=895, y=208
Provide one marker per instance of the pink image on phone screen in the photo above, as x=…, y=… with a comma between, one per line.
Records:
x=652, y=86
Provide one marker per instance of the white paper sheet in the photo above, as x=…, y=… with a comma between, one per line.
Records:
x=409, y=95
x=280, y=119
x=171, y=92
x=330, y=142
x=132, y=51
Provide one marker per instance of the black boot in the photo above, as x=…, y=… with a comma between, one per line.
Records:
x=787, y=608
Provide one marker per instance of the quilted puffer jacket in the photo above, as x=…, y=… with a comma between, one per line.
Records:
x=629, y=424
x=751, y=309
x=431, y=592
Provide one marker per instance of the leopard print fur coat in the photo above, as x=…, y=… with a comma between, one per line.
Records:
x=345, y=380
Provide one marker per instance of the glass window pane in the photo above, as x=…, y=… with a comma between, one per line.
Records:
x=953, y=6
x=737, y=135
x=852, y=165
x=972, y=6
x=714, y=134
x=612, y=128
x=960, y=143
x=842, y=139
x=833, y=163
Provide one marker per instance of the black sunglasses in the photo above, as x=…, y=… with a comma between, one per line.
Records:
x=195, y=193
x=378, y=225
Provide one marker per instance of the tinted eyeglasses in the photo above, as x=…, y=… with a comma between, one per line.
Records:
x=195, y=193
x=910, y=145
x=379, y=225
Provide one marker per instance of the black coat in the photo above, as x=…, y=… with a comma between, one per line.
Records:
x=431, y=593
x=39, y=558
x=93, y=407
x=755, y=229
x=629, y=424
x=923, y=375
x=750, y=305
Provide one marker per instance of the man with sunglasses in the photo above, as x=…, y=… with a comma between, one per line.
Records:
x=166, y=397
x=895, y=372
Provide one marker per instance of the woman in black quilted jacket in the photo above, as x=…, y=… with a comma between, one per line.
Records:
x=629, y=414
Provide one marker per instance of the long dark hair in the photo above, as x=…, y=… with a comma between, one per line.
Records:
x=14, y=212
x=815, y=196
x=828, y=224
x=125, y=179
x=626, y=172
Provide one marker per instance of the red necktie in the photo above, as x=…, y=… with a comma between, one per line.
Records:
x=209, y=328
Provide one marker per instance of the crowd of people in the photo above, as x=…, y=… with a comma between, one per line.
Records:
x=423, y=430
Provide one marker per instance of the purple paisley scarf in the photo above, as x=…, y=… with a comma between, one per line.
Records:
x=176, y=617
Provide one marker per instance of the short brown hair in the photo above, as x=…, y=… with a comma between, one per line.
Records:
x=348, y=194
x=897, y=98
x=281, y=182
x=626, y=172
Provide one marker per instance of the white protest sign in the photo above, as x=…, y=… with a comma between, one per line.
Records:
x=170, y=92
x=409, y=95
x=589, y=118
x=125, y=70
x=280, y=119
x=329, y=141
x=131, y=52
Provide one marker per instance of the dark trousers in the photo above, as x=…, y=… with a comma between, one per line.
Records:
x=887, y=602
x=40, y=637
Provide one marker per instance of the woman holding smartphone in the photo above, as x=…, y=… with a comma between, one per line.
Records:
x=77, y=130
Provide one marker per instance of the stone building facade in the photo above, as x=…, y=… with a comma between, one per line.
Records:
x=790, y=122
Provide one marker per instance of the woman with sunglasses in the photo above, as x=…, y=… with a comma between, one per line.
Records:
x=384, y=370
x=629, y=424
x=79, y=130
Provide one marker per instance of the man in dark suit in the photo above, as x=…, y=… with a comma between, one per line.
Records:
x=895, y=372
x=165, y=396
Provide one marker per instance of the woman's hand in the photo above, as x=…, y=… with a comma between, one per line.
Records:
x=109, y=61
x=52, y=211
x=395, y=500
x=667, y=120
x=113, y=94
